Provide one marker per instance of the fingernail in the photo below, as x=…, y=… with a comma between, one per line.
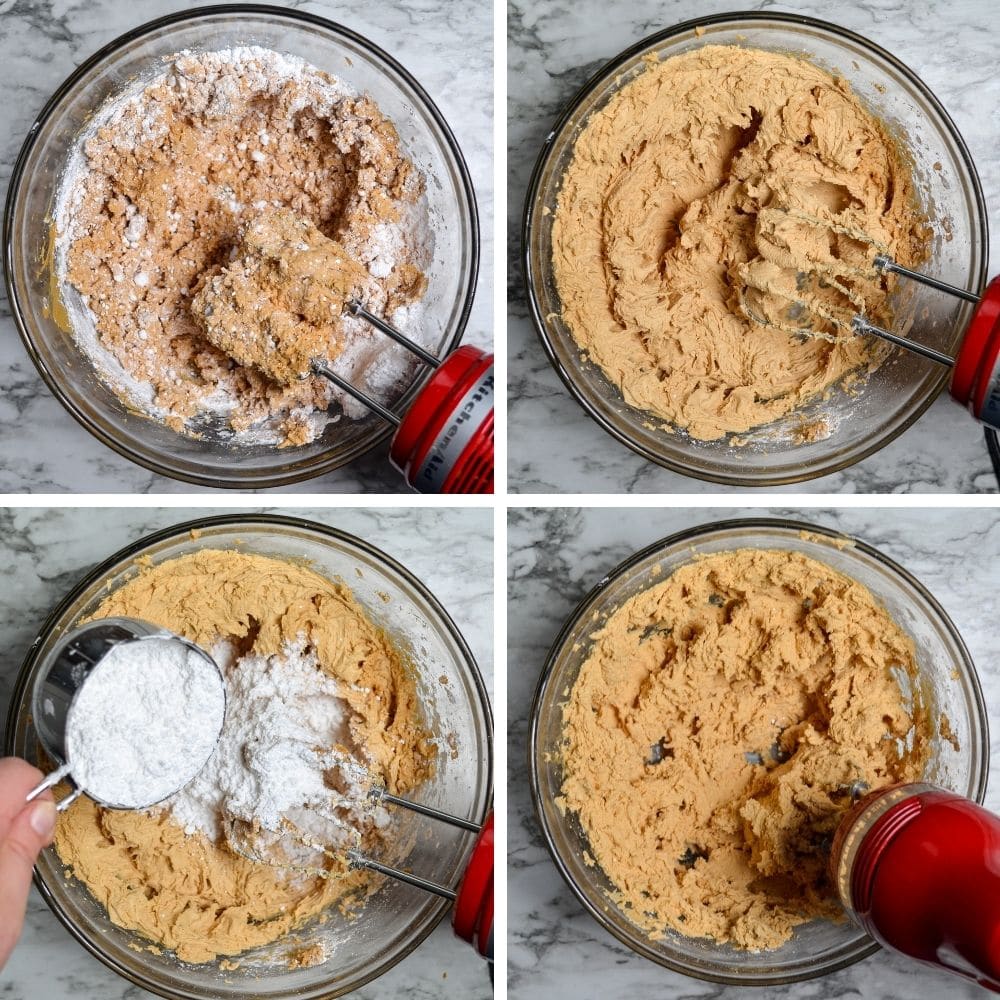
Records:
x=43, y=818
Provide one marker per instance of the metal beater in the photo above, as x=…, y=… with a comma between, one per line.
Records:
x=294, y=849
x=975, y=381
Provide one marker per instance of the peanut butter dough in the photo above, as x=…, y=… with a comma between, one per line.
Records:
x=154, y=202
x=702, y=177
x=717, y=732
x=278, y=305
x=183, y=891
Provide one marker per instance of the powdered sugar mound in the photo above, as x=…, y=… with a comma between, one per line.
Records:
x=272, y=761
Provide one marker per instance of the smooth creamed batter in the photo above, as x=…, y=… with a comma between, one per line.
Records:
x=722, y=170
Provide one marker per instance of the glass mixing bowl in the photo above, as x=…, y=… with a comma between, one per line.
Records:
x=34, y=187
x=905, y=385
x=947, y=682
x=397, y=917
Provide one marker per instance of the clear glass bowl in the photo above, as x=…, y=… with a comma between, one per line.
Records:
x=947, y=683
x=905, y=385
x=34, y=186
x=397, y=917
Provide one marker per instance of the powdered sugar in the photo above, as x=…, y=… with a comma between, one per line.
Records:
x=273, y=760
x=144, y=722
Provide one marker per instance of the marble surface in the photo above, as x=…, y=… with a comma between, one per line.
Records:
x=42, y=448
x=45, y=551
x=553, y=48
x=556, y=949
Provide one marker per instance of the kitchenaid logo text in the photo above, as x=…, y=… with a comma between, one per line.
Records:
x=457, y=434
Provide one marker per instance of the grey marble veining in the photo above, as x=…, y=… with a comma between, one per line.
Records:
x=447, y=46
x=553, y=48
x=45, y=551
x=556, y=950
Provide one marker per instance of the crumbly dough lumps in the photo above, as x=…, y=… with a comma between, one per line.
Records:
x=717, y=732
x=694, y=182
x=278, y=305
x=185, y=892
x=173, y=177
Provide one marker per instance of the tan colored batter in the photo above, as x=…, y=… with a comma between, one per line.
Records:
x=277, y=306
x=182, y=891
x=715, y=735
x=693, y=183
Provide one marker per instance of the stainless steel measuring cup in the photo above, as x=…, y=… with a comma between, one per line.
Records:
x=61, y=675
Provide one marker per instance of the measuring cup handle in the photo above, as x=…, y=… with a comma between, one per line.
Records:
x=50, y=781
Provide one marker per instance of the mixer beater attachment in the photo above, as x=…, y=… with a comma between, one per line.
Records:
x=975, y=379
x=444, y=441
x=302, y=847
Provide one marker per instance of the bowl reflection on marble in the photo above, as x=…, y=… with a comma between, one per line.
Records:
x=905, y=385
x=947, y=684
x=33, y=287
x=397, y=917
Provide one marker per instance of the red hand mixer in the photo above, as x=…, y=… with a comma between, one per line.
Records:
x=444, y=441
x=919, y=869
x=472, y=897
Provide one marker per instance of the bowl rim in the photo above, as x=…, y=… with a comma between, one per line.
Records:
x=259, y=480
x=691, y=536
x=178, y=531
x=529, y=215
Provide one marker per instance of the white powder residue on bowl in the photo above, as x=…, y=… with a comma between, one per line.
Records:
x=272, y=762
x=144, y=722
x=154, y=195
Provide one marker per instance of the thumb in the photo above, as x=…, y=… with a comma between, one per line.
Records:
x=31, y=830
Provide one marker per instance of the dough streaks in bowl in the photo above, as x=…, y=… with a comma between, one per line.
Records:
x=715, y=734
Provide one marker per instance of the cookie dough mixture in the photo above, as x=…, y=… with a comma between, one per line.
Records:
x=152, y=206
x=700, y=178
x=190, y=892
x=718, y=731
x=271, y=307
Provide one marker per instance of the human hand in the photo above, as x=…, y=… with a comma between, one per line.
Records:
x=25, y=828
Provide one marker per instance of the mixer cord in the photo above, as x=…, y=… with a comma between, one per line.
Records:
x=993, y=447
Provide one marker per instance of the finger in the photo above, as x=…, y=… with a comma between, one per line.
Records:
x=17, y=778
x=30, y=831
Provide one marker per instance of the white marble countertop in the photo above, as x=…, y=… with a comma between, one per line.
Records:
x=45, y=551
x=556, y=949
x=553, y=49
x=447, y=46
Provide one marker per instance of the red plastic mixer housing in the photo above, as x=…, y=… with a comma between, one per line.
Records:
x=975, y=381
x=472, y=915
x=444, y=443
x=918, y=868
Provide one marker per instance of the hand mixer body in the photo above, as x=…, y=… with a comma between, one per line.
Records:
x=919, y=868
x=975, y=382
x=444, y=443
x=472, y=914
